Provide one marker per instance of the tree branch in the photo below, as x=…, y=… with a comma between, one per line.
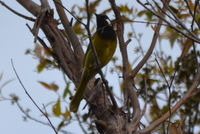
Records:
x=17, y=13
x=189, y=94
x=70, y=32
x=151, y=48
x=130, y=92
x=30, y=6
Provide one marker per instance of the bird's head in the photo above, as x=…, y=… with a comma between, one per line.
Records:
x=102, y=20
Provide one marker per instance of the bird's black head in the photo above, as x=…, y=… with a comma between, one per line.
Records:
x=103, y=26
x=102, y=20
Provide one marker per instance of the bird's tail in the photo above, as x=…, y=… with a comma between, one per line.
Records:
x=79, y=93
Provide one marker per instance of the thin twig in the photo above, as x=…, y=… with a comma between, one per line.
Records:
x=30, y=117
x=80, y=123
x=178, y=21
x=191, y=13
x=192, y=28
x=169, y=90
x=15, y=12
x=70, y=12
x=150, y=50
x=148, y=22
x=181, y=31
x=45, y=8
x=43, y=44
x=31, y=97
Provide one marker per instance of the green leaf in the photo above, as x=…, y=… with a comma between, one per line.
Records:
x=125, y=8
x=1, y=76
x=66, y=91
x=57, y=108
x=60, y=125
x=28, y=51
x=171, y=67
x=41, y=66
x=148, y=14
x=43, y=63
x=66, y=114
x=51, y=86
x=93, y=5
x=77, y=28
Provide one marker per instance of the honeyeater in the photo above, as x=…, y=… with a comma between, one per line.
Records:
x=104, y=41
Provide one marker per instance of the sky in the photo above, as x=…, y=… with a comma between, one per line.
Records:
x=15, y=39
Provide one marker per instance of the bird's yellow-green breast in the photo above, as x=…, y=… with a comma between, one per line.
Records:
x=105, y=49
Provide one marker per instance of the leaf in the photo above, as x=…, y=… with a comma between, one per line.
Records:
x=191, y=5
x=1, y=76
x=141, y=13
x=130, y=34
x=38, y=50
x=119, y=67
x=42, y=64
x=171, y=35
x=51, y=86
x=171, y=68
x=57, y=108
x=46, y=52
x=185, y=15
x=93, y=5
x=153, y=27
x=165, y=109
x=77, y=28
x=122, y=87
x=60, y=125
x=148, y=14
x=54, y=87
x=66, y=91
x=66, y=114
x=85, y=117
x=152, y=81
x=28, y=51
x=125, y=8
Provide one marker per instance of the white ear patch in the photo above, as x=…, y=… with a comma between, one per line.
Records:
x=108, y=21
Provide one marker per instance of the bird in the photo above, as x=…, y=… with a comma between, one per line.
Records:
x=104, y=41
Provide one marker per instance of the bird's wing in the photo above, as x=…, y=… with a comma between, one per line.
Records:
x=88, y=49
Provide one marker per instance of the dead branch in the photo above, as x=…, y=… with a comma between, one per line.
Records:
x=32, y=100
